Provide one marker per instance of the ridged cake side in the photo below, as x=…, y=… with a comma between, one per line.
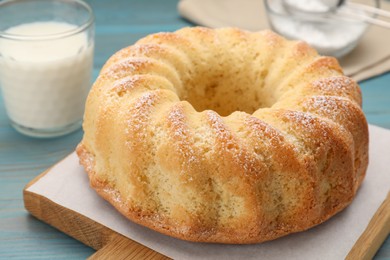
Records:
x=224, y=135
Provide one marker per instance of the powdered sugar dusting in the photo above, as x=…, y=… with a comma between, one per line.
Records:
x=310, y=125
x=181, y=136
x=273, y=147
x=264, y=132
x=340, y=86
x=228, y=145
x=127, y=67
x=113, y=194
x=146, y=100
x=267, y=129
x=126, y=83
x=147, y=49
x=139, y=118
x=332, y=107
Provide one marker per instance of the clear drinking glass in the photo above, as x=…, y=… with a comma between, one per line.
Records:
x=46, y=61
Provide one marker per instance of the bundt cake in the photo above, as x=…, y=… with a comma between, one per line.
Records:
x=224, y=135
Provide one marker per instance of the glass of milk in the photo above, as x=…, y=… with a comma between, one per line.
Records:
x=46, y=61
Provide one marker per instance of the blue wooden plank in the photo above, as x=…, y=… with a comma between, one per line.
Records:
x=376, y=100
x=118, y=24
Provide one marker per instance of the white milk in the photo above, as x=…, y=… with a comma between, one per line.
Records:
x=45, y=82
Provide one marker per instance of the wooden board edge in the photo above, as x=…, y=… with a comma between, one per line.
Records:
x=375, y=233
x=71, y=223
x=121, y=247
x=103, y=239
x=84, y=229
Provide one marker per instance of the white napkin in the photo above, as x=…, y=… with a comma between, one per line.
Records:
x=370, y=58
x=67, y=185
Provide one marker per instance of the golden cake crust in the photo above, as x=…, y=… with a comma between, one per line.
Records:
x=224, y=135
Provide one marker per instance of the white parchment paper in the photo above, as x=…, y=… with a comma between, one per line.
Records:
x=67, y=184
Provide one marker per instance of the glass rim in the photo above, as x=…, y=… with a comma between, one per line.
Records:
x=52, y=36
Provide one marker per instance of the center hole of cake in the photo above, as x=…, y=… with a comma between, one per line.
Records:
x=227, y=93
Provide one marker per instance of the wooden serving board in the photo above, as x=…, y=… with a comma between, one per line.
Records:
x=108, y=243
x=111, y=245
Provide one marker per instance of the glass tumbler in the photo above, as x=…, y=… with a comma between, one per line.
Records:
x=46, y=61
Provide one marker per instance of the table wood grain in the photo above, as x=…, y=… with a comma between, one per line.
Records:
x=118, y=24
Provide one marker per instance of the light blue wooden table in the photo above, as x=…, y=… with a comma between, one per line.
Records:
x=118, y=24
